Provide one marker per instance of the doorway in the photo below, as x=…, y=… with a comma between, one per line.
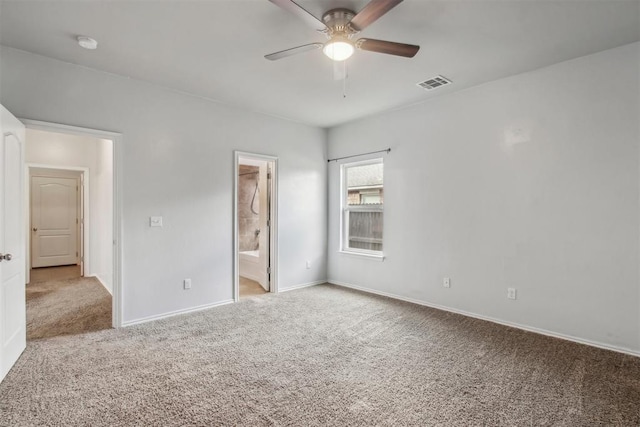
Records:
x=67, y=258
x=73, y=253
x=254, y=224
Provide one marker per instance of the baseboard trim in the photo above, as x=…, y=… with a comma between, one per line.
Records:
x=174, y=313
x=302, y=285
x=490, y=319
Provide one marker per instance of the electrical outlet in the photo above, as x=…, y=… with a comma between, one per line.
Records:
x=187, y=283
x=308, y=265
x=511, y=293
x=446, y=282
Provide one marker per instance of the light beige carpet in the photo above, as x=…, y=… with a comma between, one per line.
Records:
x=63, y=272
x=320, y=356
x=67, y=307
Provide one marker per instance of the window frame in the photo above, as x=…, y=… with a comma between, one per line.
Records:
x=345, y=210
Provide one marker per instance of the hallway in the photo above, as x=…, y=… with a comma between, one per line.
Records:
x=60, y=302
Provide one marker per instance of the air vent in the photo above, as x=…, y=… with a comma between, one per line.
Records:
x=434, y=82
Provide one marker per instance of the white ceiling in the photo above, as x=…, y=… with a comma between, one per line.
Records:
x=215, y=48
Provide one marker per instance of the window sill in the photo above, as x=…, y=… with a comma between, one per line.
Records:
x=363, y=255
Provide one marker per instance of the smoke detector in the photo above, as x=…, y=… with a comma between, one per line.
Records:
x=434, y=82
x=87, y=42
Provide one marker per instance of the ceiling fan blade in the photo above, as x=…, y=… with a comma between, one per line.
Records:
x=371, y=12
x=390, y=48
x=340, y=70
x=301, y=13
x=293, y=51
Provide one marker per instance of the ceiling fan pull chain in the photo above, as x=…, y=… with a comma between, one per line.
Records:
x=344, y=81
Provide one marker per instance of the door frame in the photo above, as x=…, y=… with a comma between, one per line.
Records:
x=85, y=218
x=273, y=235
x=117, y=148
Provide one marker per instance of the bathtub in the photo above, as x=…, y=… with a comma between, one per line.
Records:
x=249, y=265
x=250, y=256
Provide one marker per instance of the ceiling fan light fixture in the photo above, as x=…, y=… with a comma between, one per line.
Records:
x=338, y=49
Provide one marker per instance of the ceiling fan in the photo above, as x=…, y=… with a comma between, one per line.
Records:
x=340, y=26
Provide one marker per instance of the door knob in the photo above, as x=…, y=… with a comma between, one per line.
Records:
x=6, y=257
x=35, y=229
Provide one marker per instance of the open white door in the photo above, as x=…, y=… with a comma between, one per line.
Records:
x=13, y=336
x=263, y=237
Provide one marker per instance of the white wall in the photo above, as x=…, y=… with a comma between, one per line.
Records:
x=555, y=215
x=56, y=149
x=178, y=163
x=102, y=214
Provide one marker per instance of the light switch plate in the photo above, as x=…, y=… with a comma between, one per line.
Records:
x=155, y=221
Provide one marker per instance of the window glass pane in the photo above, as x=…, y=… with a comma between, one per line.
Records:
x=363, y=212
x=364, y=184
x=365, y=230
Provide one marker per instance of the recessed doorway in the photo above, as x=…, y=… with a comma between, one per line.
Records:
x=72, y=255
x=254, y=224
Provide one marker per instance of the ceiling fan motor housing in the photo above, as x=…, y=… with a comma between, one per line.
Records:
x=337, y=22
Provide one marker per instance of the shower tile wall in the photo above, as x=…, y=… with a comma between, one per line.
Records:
x=248, y=222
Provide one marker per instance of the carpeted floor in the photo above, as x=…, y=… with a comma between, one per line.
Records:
x=66, y=307
x=43, y=274
x=319, y=356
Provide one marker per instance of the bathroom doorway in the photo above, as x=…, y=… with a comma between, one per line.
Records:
x=254, y=225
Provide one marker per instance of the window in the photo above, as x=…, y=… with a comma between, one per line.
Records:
x=362, y=207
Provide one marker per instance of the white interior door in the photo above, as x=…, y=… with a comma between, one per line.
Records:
x=12, y=243
x=54, y=221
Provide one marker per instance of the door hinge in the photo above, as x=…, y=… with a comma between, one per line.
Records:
x=268, y=270
x=268, y=223
x=76, y=253
x=269, y=175
x=76, y=220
